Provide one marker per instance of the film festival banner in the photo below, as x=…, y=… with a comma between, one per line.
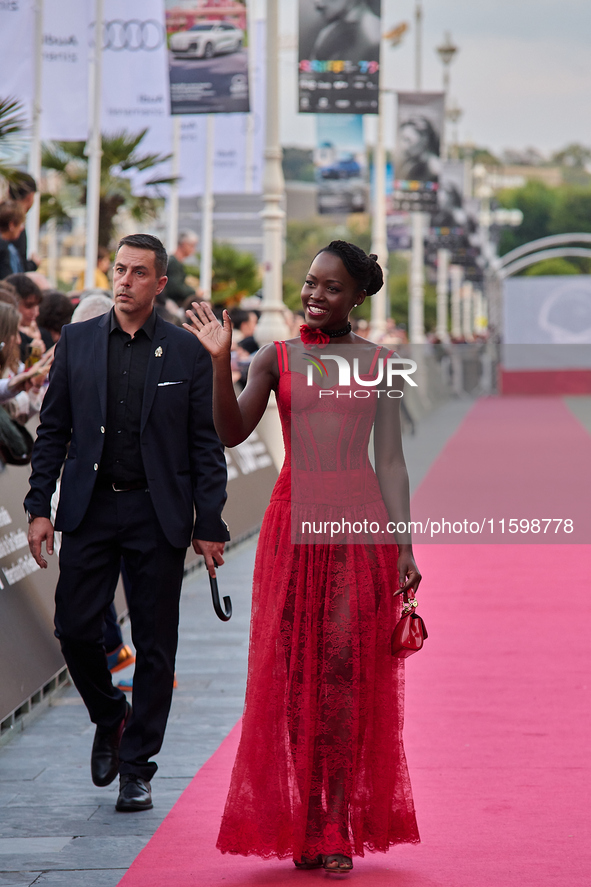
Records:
x=208, y=56
x=339, y=56
x=417, y=163
x=455, y=224
x=341, y=165
x=239, y=140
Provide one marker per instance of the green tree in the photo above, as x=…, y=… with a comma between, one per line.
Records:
x=575, y=156
x=551, y=267
x=537, y=202
x=235, y=274
x=298, y=165
x=572, y=210
x=120, y=155
x=12, y=126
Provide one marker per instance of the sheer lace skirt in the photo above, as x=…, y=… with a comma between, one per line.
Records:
x=321, y=766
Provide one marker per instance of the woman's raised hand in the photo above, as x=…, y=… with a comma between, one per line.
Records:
x=203, y=323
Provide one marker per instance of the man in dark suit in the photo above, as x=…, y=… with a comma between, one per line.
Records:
x=144, y=473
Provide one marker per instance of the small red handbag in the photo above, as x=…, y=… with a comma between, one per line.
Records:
x=410, y=632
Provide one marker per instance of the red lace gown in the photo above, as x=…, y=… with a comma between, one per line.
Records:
x=321, y=767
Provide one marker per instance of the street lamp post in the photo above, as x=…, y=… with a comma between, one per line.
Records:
x=418, y=45
x=454, y=114
x=94, y=149
x=447, y=52
x=379, y=244
x=272, y=325
x=35, y=148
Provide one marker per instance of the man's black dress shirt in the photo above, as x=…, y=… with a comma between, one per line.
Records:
x=121, y=462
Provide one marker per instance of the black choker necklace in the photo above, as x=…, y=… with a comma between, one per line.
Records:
x=335, y=334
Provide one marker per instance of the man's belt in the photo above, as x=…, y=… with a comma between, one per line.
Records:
x=122, y=486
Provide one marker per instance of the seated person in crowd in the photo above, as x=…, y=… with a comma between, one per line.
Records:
x=176, y=288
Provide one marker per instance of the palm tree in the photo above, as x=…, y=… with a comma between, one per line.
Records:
x=12, y=126
x=120, y=155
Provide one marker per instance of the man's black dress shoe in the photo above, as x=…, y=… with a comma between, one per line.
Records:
x=104, y=761
x=134, y=794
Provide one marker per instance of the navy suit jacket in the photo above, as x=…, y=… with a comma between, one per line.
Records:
x=182, y=454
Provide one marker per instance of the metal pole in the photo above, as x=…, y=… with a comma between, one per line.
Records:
x=443, y=146
x=94, y=149
x=52, y=235
x=379, y=233
x=34, y=165
x=173, y=197
x=467, y=290
x=272, y=324
x=249, y=120
x=207, y=213
x=416, y=320
x=416, y=307
x=418, y=46
x=456, y=274
x=443, y=257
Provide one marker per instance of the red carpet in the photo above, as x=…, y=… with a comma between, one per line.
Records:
x=497, y=731
x=521, y=458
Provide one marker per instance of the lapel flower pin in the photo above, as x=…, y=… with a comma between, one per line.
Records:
x=158, y=352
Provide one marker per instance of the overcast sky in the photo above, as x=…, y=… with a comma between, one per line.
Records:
x=522, y=75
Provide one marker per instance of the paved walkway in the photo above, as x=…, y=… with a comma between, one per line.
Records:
x=56, y=828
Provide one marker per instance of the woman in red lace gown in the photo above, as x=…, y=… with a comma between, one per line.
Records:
x=320, y=773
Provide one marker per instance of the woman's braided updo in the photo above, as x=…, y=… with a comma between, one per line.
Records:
x=363, y=269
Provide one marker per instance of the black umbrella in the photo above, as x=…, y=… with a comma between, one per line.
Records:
x=225, y=612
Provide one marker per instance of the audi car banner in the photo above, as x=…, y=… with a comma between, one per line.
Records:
x=418, y=138
x=208, y=57
x=339, y=56
x=239, y=139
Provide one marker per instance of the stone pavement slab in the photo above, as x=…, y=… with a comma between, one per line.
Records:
x=58, y=829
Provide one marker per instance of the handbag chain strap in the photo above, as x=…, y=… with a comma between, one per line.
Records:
x=409, y=605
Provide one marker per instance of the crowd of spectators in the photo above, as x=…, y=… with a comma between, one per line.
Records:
x=38, y=312
x=32, y=314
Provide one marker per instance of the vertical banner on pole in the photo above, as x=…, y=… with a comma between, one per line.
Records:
x=65, y=69
x=208, y=57
x=17, y=35
x=418, y=140
x=339, y=56
x=135, y=75
x=341, y=164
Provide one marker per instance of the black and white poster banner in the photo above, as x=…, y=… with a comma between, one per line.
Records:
x=339, y=56
x=418, y=139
